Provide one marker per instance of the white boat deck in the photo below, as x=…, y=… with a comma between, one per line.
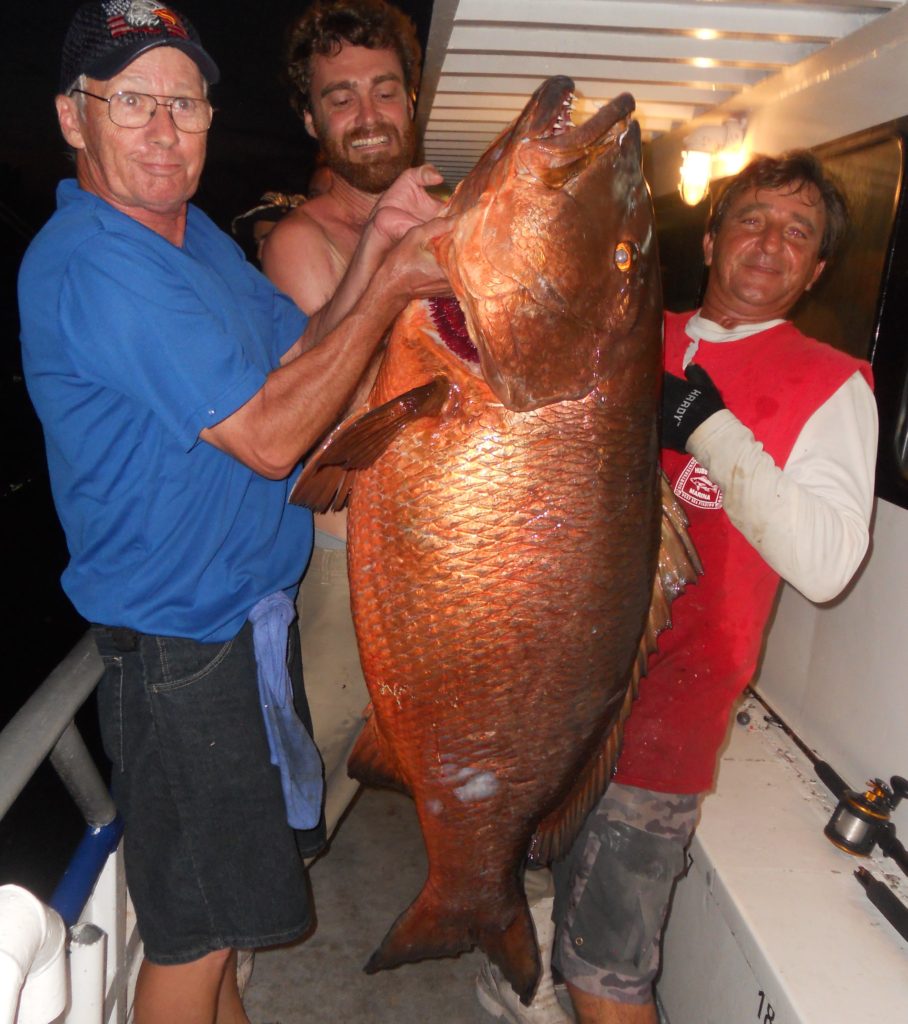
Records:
x=372, y=870
x=770, y=924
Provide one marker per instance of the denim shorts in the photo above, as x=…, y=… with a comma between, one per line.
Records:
x=211, y=862
x=612, y=891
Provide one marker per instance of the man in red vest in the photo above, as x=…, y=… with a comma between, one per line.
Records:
x=769, y=441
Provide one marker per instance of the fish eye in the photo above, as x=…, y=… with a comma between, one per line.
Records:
x=626, y=255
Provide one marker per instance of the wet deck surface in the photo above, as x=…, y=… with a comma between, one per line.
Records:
x=374, y=867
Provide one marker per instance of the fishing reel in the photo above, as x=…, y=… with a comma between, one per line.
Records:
x=862, y=821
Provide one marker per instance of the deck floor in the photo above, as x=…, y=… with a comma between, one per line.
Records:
x=372, y=870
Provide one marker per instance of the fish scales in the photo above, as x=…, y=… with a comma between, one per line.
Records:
x=503, y=543
x=505, y=597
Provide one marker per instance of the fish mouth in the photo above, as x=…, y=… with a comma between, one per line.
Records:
x=548, y=118
x=561, y=143
x=552, y=113
x=547, y=139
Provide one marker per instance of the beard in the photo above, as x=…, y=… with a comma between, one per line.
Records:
x=378, y=171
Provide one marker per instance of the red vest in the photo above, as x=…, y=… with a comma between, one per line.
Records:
x=773, y=382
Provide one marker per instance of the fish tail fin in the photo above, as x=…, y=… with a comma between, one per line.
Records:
x=425, y=929
x=515, y=953
x=429, y=929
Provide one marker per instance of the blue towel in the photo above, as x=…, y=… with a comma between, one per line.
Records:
x=292, y=748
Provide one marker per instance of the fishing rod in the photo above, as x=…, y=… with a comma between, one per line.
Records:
x=825, y=772
x=859, y=822
x=885, y=900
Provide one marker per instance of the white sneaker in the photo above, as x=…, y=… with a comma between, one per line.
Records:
x=498, y=998
x=500, y=1001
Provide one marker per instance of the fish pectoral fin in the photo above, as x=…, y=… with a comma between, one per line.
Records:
x=327, y=477
x=372, y=763
x=679, y=565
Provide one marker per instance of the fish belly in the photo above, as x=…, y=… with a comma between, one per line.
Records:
x=501, y=568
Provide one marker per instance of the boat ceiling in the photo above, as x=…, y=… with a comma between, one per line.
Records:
x=680, y=60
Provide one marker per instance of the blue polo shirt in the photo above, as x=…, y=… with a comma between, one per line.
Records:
x=131, y=346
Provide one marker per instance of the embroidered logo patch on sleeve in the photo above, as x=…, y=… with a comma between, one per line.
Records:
x=695, y=487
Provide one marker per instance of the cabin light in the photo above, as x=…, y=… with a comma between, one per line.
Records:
x=719, y=143
x=694, y=181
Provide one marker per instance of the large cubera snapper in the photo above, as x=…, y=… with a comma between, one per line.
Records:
x=504, y=522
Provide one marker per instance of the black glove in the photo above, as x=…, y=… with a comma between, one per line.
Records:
x=686, y=404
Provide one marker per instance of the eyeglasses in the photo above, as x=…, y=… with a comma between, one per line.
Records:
x=136, y=109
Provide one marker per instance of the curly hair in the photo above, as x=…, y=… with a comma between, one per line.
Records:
x=329, y=24
x=800, y=169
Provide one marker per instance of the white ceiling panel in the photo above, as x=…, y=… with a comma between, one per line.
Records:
x=680, y=60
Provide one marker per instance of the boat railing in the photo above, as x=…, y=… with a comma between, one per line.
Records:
x=82, y=947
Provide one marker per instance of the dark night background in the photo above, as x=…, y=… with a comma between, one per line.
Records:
x=256, y=143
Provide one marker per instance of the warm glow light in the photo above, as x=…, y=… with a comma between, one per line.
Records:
x=729, y=161
x=712, y=150
x=694, y=181
x=705, y=33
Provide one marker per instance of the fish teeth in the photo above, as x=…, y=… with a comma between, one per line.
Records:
x=563, y=121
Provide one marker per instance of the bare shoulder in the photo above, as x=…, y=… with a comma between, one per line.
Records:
x=297, y=231
x=302, y=259
x=322, y=211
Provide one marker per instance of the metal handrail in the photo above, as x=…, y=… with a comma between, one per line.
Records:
x=99, y=978
x=43, y=727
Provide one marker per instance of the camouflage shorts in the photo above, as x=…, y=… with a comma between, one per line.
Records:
x=613, y=890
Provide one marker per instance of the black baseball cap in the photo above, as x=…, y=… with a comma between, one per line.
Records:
x=105, y=36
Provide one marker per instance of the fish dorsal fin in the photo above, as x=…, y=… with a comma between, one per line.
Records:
x=372, y=763
x=678, y=566
x=327, y=478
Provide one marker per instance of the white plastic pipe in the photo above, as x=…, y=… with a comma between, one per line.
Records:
x=32, y=959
